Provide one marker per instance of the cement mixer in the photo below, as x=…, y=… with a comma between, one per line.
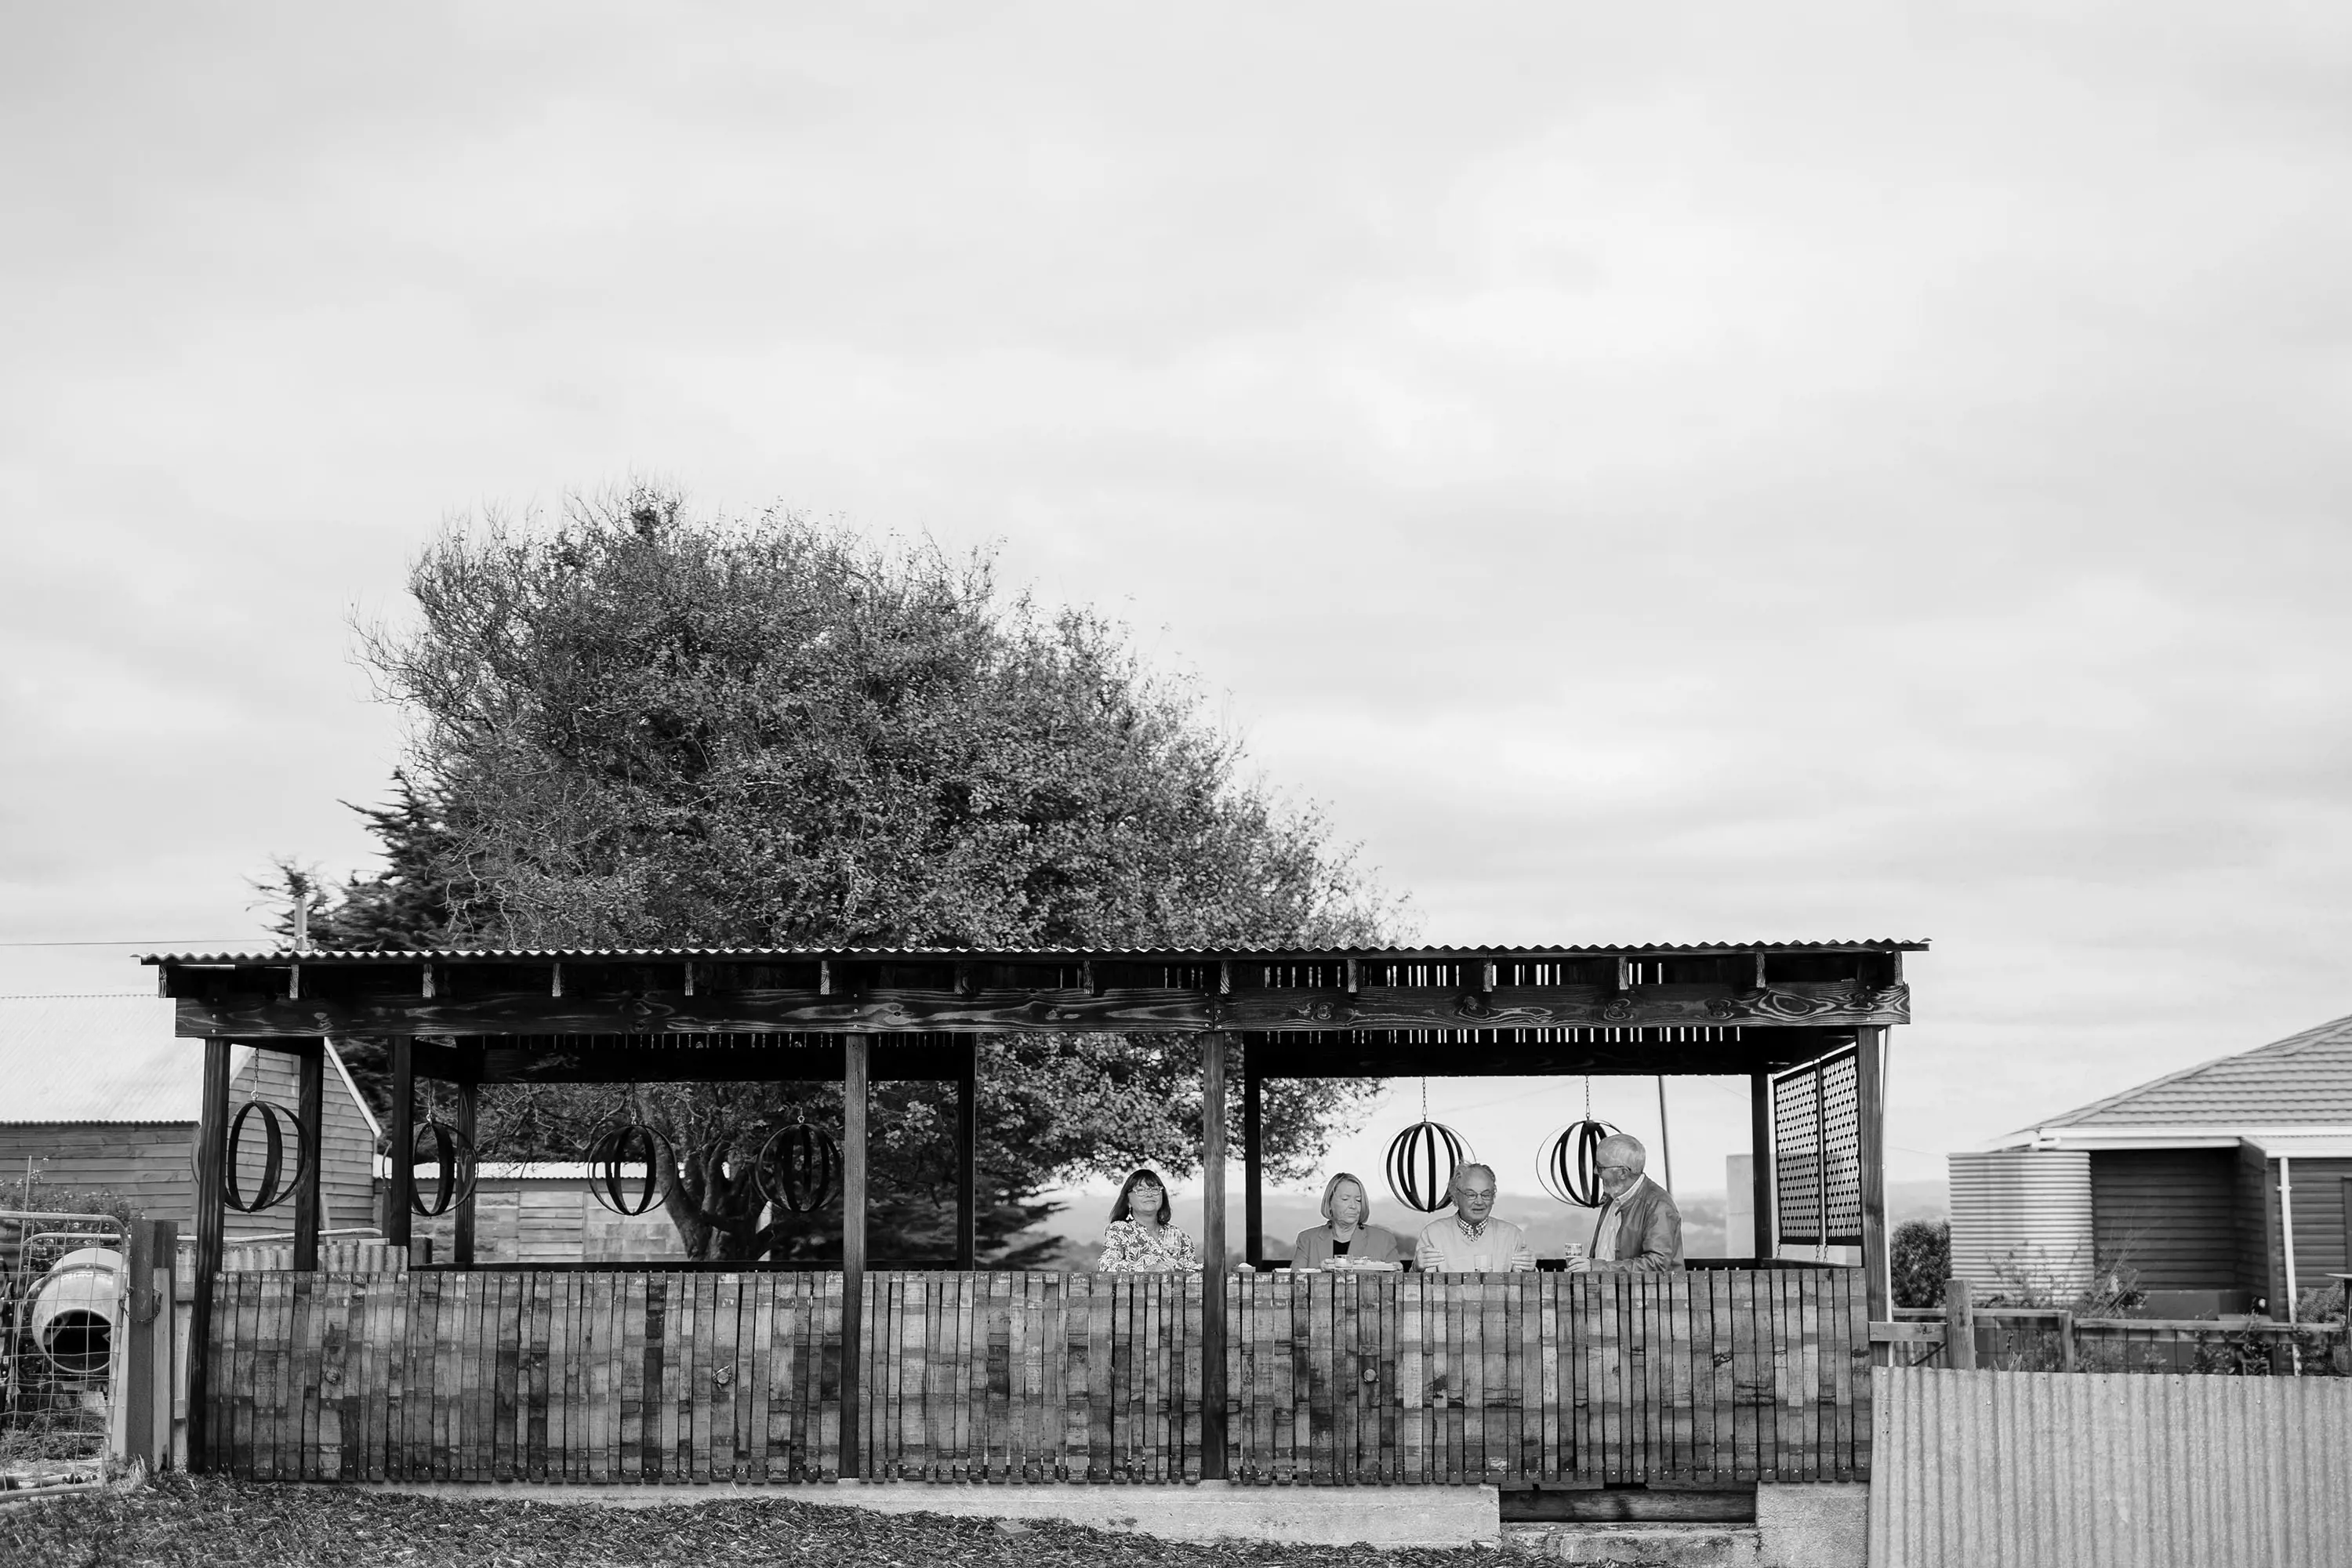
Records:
x=73, y=1311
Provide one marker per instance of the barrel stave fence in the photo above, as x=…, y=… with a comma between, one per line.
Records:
x=1710, y=1378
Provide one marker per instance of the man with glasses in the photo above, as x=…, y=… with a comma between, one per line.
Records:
x=1471, y=1240
x=1640, y=1228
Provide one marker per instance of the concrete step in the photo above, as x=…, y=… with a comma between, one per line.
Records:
x=1648, y=1545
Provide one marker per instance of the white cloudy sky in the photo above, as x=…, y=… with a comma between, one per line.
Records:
x=1656, y=472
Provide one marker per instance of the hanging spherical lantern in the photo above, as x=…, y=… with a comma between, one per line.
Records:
x=452, y=1160
x=799, y=1167
x=278, y=1126
x=1569, y=1163
x=1422, y=1163
x=614, y=1155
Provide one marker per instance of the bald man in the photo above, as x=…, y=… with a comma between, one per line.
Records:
x=1640, y=1229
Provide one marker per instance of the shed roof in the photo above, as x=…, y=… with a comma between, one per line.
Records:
x=1146, y=955
x=2305, y=1079
x=95, y=1059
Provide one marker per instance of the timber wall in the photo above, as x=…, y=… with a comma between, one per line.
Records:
x=1721, y=1377
x=2170, y=1214
x=553, y=1219
x=148, y=1163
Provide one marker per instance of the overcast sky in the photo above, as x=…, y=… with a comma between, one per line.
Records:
x=1652, y=472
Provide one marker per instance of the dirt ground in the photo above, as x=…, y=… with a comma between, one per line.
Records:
x=205, y=1523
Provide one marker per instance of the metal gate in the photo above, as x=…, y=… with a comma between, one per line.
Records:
x=63, y=1293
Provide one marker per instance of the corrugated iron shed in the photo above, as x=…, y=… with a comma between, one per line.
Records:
x=1139, y=954
x=95, y=1059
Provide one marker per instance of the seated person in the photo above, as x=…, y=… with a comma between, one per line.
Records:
x=1346, y=1231
x=1140, y=1240
x=1469, y=1240
x=1640, y=1229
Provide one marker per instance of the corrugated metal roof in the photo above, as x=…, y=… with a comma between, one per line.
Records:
x=95, y=1059
x=2305, y=1079
x=1145, y=954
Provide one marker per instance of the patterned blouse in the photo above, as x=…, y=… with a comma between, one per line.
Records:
x=1128, y=1249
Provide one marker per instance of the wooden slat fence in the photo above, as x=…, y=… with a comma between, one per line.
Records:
x=1720, y=1377
x=2025, y=1339
x=1033, y=1377
x=1715, y=1376
x=450, y=1376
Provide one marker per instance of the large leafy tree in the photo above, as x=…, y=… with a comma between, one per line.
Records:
x=640, y=728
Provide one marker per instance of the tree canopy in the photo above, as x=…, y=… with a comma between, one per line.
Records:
x=638, y=727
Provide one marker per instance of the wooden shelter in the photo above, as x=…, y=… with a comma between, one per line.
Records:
x=1725, y=1373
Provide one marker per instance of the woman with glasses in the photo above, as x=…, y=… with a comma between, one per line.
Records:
x=1346, y=1237
x=1139, y=1239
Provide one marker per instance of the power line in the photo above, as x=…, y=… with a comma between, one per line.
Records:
x=137, y=942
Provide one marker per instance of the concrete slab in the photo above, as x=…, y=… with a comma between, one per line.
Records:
x=1816, y=1525
x=1441, y=1517
x=1646, y=1545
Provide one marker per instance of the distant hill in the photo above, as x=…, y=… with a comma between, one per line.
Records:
x=1549, y=1225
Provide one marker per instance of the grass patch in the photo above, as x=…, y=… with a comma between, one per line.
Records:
x=190, y=1522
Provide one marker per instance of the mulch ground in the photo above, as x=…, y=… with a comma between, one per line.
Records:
x=208, y=1523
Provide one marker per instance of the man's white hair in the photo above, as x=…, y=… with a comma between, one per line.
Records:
x=1621, y=1149
x=1462, y=1173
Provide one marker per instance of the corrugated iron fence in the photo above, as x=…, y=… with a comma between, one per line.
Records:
x=2023, y=1469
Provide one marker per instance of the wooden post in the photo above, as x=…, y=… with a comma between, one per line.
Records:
x=1870, y=1109
x=854, y=1064
x=461, y=1226
x=146, y=1384
x=1213, y=1255
x=1959, y=1326
x=212, y=1220
x=400, y=1134
x=1252, y=1159
x=968, y=1155
x=310, y=1070
x=1760, y=1138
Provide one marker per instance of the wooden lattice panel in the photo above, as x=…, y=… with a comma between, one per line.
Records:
x=1817, y=1152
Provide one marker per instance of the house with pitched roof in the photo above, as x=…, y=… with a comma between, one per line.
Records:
x=2226, y=1187
x=96, y=1094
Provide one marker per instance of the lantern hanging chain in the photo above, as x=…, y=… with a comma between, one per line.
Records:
x=1425, y=1099
x=1588, y=1097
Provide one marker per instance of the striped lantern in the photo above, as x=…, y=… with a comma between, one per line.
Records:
x=799, y=1168
x=1414, y=1178
x=453, y=1163
x=278, y=1126
x=1569, y=1165
x=614, y=1156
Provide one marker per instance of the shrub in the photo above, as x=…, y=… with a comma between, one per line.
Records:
x=1922, y=1261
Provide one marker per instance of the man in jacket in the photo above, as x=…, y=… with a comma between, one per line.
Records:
x=1639, y=1229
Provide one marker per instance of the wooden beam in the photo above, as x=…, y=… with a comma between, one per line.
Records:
x=1213, y=1255
x=1072, y=1011
x=310, y=1111
x=853, y=1251
x=1253, y=1157
x=1759, y=1142
x=968, y=1155
x=212, y=1217
x=400, y=1131
x=461, y=1224
x=687, y=1060
x=145, y=1343
x=1960, y=1327
x=1869, y=1110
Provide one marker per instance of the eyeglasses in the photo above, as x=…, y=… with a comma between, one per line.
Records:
x=1616, y=1169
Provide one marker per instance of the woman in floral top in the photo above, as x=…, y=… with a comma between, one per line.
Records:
x=1140, y=1240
